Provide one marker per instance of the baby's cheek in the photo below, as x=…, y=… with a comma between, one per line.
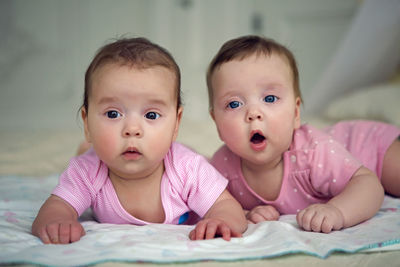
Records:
x=235, y=139
x=105, y=143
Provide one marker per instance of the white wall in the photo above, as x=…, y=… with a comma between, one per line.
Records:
x=368, y=55
x=46, y=45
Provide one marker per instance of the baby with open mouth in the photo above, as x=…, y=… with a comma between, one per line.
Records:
x=332, y=178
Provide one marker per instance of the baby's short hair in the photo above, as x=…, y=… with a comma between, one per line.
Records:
x=135, y=52
x=246, y=46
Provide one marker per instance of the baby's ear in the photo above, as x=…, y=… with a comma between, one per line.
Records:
x=178, y=122
x=85, y=123
x=211, y=111
x=297, y=117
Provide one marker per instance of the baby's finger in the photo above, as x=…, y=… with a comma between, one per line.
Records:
x=44, y=236
x=299, y=218
x=53, y=232
x=269, y=213
x=274, y=214
x=327, y=225
x=235, y=234
x=65, y=230
x=225, y=232
x=255, y=217
x=316, y=222
x=306, y=219
x=76, y=232
x=199, y=231
x=211, y=230
x=192, y=234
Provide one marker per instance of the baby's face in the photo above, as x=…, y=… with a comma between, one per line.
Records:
x=132, y=118
x=254, y=107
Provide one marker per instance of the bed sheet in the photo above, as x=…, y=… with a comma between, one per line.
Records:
x=21, y=198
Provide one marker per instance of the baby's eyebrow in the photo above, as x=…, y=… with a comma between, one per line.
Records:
x=108, y=99
x=230, y=93
x=153, y=101
x=159, y=102
x=270, y=84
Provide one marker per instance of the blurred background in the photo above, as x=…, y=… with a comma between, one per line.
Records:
x=46, y=46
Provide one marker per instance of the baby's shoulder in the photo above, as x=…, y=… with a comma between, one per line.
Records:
x=226, y=162
x=316, y=150
x=87, y=160
x=184, y=166
x=223, y=154
x=182, y=160
x=88, y=167
x=309, y=137
x=310, y=145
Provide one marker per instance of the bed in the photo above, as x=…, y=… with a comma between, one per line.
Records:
x=31, y=160
x=29, y=168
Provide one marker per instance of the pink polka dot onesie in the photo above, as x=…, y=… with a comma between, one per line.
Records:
x=317, y=166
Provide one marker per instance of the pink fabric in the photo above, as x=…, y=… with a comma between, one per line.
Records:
x=318, y=164
x=189, y=183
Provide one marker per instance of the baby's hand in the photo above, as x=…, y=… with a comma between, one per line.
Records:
x=320, y=218
x=210, y=228
x=64, y=232
x=262, y=213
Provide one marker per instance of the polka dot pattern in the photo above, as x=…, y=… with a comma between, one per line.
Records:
x=317, y=166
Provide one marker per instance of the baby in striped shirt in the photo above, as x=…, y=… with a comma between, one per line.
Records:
x=134, y=172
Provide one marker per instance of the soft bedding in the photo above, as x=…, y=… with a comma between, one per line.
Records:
x=21, y=197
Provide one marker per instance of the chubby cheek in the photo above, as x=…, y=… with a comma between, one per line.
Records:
x=230, y=131
x=107, y=142
x=104, y=141
x=281, y=131
x=158, y=141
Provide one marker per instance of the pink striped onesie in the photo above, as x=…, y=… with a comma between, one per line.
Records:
x=189, y=183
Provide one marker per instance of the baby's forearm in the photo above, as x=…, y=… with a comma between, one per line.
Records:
x=361, y=198
x=54, y=209
x=229, y=211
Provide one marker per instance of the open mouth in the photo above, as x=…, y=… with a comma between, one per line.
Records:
x=257, y=138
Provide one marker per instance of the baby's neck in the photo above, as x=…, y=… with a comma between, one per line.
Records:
x=141, y=196
x=137, y=182
x=261, y=168
x=265, y=180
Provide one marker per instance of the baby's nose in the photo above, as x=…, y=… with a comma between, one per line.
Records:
x=132, y=130
x=254, y=115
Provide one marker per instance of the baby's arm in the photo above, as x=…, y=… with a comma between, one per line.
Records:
x=225, y=218
x=262, y=213
x=359, y=201
x=57, y=222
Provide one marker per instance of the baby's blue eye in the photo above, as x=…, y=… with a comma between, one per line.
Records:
x=152, y=115
x=113, y=114
x=234, y=104
x=270, y=98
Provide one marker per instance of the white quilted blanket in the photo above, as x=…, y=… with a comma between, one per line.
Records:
x=21, y=197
